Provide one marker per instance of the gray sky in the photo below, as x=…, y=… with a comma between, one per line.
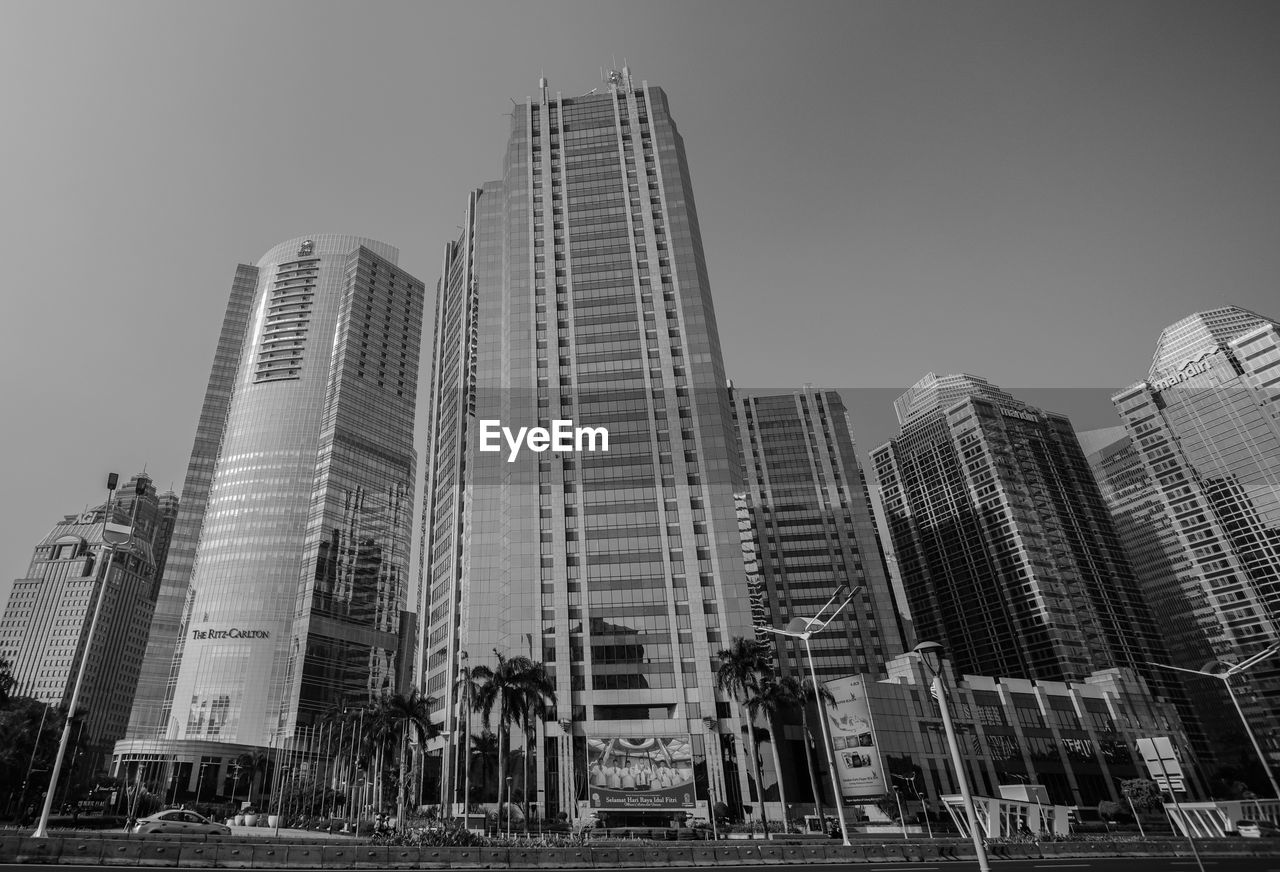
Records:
x=1029, y=191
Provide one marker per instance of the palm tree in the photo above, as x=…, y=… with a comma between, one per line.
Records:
x=255, y=763
x=521, y=690
x=497, y=691
x=741, y=667
x=539, y=694
x=407, y=713
x=771, y=699
x=468, y=687
x=806, y=693
x=484, y=754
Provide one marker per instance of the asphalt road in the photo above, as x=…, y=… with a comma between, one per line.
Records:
x=1101, y=864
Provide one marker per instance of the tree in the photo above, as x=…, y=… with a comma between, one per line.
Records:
x=1143, y=793
x=468, y=689
x=771, y=699
x=539, y=694
x=254, y=764
x=26, y=745
x=7, y=682
x=806, y=693
x=410, y=714
x=484, y=759
x=742, y=665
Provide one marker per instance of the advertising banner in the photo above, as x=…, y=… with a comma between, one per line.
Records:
x=638, y=774
x=858, y=762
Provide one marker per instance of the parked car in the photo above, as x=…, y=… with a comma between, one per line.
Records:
x=177, y=821
x=1257, y=830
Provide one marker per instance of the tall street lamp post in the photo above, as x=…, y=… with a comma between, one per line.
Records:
x=1224, y=672
x=930, y=653
x=113, y=535
x=803, y=629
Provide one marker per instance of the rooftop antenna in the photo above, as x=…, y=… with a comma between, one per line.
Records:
x=542, y=85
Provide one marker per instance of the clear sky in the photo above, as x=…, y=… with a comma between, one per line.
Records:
x=1025, y=190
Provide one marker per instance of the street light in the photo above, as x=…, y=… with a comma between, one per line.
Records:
x=803, y=629
x=930, y=654
x=911, y=779
x=509, y=780
x=113, y=535
x=1225, y=675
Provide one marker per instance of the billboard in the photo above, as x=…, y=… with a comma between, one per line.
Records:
x=858, y=762
x=652, y=773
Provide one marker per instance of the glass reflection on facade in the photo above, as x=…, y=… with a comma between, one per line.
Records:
x=298, y=588
x=1009, y=557
x=578, y=290
x=1205, y=425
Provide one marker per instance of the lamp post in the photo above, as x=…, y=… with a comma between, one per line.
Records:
x=113, y=535
x=1132, y=807
x=930, y=654
x=803, y=629
x=902, y=818
x=509, y=780
x=1225, y=672
x=911, y=779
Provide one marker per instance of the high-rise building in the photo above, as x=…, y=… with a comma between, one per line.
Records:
x=46, y=623
x=578, y=291
x=1205, y=427
x=298, y=579
x=1163, y=569
x=152, y=703
x=813, y=531
x=1008, y=555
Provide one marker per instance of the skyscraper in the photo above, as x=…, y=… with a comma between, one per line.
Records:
x=1162, y=568
x=298, y=583
x=578, y=291
x=815, y=531
x=1008, y=555
x=46, y=623
x=1205, y=427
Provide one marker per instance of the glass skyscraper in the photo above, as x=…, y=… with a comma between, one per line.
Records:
x=578, y=291
x=1205, y=427
x=814, y=530
x=1008, y=555
x=298, y=577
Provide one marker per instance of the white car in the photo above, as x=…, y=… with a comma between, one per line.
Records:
x=178, y=821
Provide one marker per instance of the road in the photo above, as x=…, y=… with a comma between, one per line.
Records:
x=1100, y=864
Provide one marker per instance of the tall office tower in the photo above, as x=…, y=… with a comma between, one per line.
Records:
x=1206, y=426
x=578, y=291
x=1009, y=557
x=815, y=531
x=46, y=624
x=152, y=702
x=299, y=577
x=1163, y=569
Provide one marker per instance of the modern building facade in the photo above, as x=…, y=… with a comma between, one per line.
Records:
x=45, y=628
x=578, y=291
x=152, y=704
x=298, y=580
x=1075, y=738
x=814, y=530
x=1008, y=555
x=1164, y=570
x=1205, y=427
